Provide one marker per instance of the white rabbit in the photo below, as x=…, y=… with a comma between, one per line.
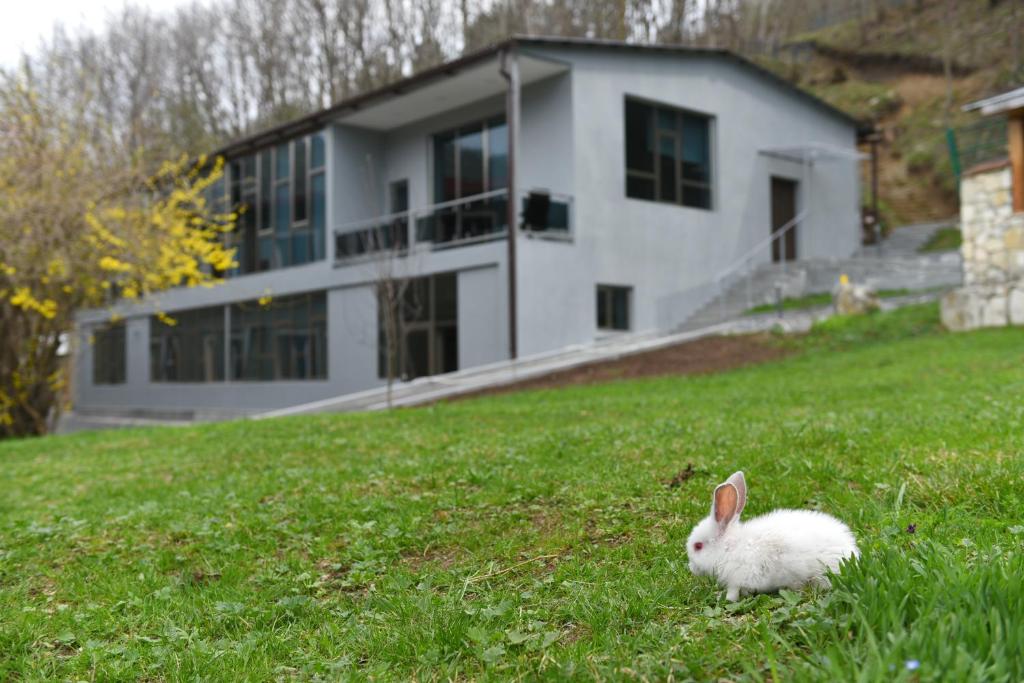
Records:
x=783, y=549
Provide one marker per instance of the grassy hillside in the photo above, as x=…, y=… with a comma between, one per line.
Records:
x=539, y=534
x=889, y=70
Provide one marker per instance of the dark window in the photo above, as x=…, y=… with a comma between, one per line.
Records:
x=318, y=212
x=445, y=174
x=613, y=307
x=266, y=183
x=189, y=350
x=281, y=195
x=399, y=196
x=282, y=163
x=299, y=196
x=108, y=354
x=639, y=138
x=247, y=224
x=283, y=339
x=426, y=327
x=668, y=155
x=471, y=160
x=318, y=156
x=497, y=156
x=468, y=162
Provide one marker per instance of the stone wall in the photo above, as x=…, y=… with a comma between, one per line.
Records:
x=993, y=254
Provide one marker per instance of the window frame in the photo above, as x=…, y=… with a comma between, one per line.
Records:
x=412, y=322
x=156, y=376
x=656, y=108
x=278, y=325
x=263, y=188
x=485, y=124
x=105, y=370
x=605, y=299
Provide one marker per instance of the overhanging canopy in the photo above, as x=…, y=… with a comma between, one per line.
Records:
x=459, y=87
x=998, y=104
x=811, y=152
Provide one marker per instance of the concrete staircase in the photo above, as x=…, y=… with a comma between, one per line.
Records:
x=897, y=265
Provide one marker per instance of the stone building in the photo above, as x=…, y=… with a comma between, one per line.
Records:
x=992, y=224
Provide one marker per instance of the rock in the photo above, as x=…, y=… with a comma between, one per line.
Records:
x=851, y=299
x=961, y=309
x=995, y=312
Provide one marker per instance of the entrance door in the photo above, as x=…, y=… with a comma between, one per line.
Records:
x=784, y=211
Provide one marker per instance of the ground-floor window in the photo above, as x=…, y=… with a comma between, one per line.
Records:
x=281, y=339
x=424, y=338
x=613, y=307
x=108, y=354
x=187, y=346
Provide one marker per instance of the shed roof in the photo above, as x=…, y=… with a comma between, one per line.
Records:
x=999, y=104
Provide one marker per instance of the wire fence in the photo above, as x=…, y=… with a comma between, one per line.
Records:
x=978, y=142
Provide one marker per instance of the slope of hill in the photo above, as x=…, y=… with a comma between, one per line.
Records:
x=892, y=71
x=538, y=536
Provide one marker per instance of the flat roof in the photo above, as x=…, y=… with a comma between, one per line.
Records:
x=479, y=81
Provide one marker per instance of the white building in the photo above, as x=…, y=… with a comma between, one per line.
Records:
x=640, y=174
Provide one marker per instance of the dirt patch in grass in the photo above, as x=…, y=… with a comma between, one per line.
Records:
x=444, y=557
x=681, y=476
x=697, y=357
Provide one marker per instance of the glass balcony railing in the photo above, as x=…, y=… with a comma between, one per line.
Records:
x=387, y=233
x=455, y=223
x=470, y=219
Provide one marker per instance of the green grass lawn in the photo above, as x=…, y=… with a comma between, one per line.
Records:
x=537, y=535
x=820, y=300
x=944, y=239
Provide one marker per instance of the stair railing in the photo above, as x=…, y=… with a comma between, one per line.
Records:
x=742, y=265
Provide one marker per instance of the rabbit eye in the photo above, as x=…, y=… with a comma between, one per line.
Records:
x=698, y=545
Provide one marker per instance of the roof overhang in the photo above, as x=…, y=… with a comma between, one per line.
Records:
x=475, y=77
x=451, y=89
x=811, y=152
x=998, y=104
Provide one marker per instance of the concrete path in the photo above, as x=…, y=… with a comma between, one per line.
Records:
x=906, y=240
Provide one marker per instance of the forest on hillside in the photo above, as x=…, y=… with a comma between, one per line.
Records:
x=212, y=71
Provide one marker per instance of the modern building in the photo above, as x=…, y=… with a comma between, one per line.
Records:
x=637, y=176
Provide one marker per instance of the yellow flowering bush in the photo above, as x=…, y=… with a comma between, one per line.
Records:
x=80, y=227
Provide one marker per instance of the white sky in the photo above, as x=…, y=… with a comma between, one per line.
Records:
x=23, y=23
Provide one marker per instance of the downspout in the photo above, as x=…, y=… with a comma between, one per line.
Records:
x=510, y=72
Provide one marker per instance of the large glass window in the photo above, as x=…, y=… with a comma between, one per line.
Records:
x=284, y=339
x=468, y=162
x=426, y=328
x=299, y=195
x=189, y=347
x=668, y=155
x=108, y=354
x=281, y=195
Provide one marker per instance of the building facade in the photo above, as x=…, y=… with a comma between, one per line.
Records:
x=640, y=174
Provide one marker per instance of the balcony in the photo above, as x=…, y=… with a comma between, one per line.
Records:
x=452, y=224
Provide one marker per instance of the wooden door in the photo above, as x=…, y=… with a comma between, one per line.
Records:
x=784, y=211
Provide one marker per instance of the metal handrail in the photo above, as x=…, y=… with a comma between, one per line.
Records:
x=370, y=222
x=743, y=260
x=427, y=210
x=423, y=211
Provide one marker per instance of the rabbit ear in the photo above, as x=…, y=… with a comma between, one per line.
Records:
x=725, y=504
x=738, y=480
